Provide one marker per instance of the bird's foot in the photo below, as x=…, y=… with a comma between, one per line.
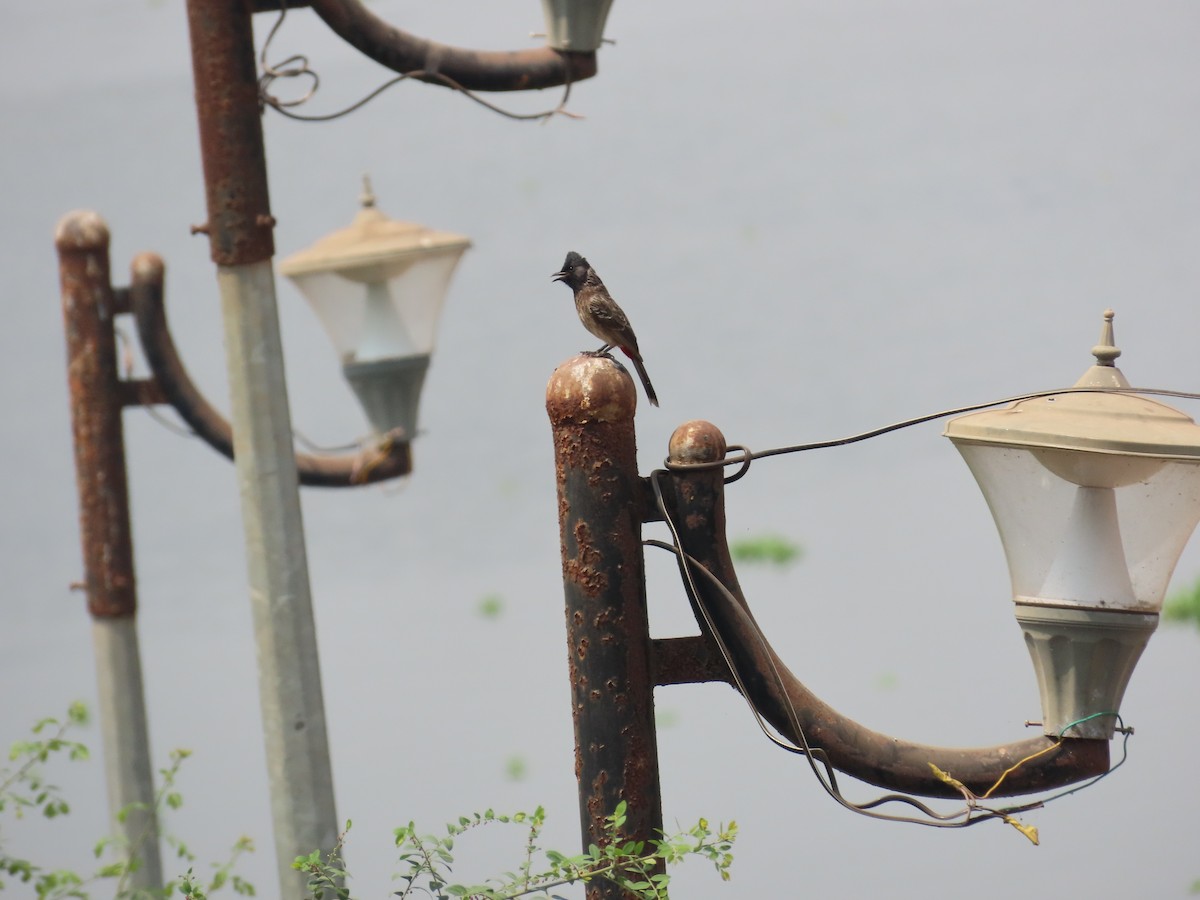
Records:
x=603, y=352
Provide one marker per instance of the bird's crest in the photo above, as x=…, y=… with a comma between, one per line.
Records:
x=575, y=271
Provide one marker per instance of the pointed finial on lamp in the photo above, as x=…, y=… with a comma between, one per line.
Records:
x=366, y=198
x=1104, y=372
x=1106, y=351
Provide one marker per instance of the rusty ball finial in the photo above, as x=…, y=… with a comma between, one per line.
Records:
x=590, y=388
x=697, y=441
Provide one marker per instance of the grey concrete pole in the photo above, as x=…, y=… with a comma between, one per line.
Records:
x=293, y=713
x=128, y=770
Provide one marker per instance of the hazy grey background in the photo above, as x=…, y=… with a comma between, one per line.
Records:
x=820, y=216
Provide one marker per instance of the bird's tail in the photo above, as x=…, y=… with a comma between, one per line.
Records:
x=641, y=370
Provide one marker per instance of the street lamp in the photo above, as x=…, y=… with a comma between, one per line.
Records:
x=1095, y=490
x=378, y=287
x=1095, y=494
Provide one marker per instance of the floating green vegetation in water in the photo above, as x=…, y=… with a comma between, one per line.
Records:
x=491, y=606
x=886, y=681
x=516, y=768
x=666, y=718
x=1184, y=606
x=767, y=548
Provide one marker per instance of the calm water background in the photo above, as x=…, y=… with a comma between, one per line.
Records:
x=821, y=217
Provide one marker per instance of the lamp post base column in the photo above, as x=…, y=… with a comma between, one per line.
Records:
x=289, y=674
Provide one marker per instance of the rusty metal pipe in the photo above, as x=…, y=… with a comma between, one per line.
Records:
x=696, y=503
x=240, y=225
x=89, y=306
x=475, y=70
x=88, y=312
x=591, y=404
x=390, y=457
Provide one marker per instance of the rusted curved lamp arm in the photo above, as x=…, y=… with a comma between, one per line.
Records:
x=696, y=503
x=475, y=70
x=390, y=458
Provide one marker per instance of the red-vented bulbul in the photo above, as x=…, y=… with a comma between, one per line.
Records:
x=600, y=315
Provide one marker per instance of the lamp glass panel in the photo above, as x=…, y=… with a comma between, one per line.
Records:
x=382, y=312
x=1088, y=545
x=383, y=333
x=418, y=295
x=337, y=303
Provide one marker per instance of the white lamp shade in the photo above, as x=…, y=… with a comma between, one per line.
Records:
x=1095, y=493
x=1088, y=545
x=391, y=312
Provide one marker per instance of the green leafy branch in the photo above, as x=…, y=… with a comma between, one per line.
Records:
x=223, y=876
x=24, y=788
x=428, y=861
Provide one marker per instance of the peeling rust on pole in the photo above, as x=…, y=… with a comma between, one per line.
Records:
x=696, y=500
x=231, y=139
x=591, y=404
x=88, y=307
x=688, y=660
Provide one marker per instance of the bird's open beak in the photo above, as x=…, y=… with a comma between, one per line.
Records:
x=559, y=276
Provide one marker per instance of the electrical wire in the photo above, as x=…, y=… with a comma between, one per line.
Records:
x=746, y=457
x=297, y=66
x=972, y=813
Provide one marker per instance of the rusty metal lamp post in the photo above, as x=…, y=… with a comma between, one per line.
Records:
x=1088, y=574
x=99, y=394
x=239, y=227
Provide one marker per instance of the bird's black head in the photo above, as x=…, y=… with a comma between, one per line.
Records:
x=574, y=271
